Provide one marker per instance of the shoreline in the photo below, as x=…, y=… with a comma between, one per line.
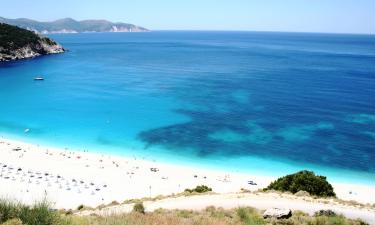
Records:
x=242, y=165
x=70, y=178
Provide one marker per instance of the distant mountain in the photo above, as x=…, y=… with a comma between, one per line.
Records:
x=17, y=43
x=69, y=25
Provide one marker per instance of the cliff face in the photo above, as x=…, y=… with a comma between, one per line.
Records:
x=17, y=43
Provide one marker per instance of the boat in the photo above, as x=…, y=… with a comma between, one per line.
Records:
x=38, y=78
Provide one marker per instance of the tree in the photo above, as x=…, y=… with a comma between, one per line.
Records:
x=303, y=181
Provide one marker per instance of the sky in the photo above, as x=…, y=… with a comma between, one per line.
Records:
x=332, y=16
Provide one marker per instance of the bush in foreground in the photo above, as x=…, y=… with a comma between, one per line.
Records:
x=250, y=216
x=138, y=207
x=38, y=214
x=199, y=189
x=325, y=213
x=13, y=222
x=303, y=181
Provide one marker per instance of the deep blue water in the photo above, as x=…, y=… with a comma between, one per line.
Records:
x=244, y=101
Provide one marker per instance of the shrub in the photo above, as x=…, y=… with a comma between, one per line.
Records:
x=250, y=216
x=199, y=189
x=325, y=213
x=303, y=181
x=13, y=222
x=138, y=207
x=185, y=213
x=330, y=220
x=217, y=212
x=38, y=214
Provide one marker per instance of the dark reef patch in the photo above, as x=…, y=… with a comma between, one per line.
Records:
x=276, y=108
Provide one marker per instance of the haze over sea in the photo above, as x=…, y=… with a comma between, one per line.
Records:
x=241, y=101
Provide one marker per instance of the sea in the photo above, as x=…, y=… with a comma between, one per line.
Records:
x=254, y=102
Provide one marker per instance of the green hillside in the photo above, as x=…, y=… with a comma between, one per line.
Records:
x=18, y=43
x=69, y=25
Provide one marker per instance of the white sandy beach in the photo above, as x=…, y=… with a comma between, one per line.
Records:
x=70, y=178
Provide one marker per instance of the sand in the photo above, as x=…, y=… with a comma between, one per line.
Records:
x=69, y=178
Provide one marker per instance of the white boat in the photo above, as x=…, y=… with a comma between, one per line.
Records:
x=39, y=78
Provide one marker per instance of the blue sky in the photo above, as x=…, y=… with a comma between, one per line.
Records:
x=337, y=16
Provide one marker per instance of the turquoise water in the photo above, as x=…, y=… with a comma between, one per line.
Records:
x=241, y=101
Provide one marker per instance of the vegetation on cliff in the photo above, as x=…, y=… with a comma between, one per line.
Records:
x=69, y=25
x=18, y=43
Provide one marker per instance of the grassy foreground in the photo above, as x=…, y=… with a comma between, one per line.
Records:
x=211, y=216
x=41, y=214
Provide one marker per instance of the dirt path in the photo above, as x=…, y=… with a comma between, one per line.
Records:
x=260, y=201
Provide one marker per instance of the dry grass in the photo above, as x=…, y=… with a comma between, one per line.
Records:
x=41, y=214
x=210, y=216
x=161, y=197
x=14, y=213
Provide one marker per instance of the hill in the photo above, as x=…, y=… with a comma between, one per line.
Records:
x=17, y=43
x=69, y=25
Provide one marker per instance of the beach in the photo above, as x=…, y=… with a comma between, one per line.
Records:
x=69, y=178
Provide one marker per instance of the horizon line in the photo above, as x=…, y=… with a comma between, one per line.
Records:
x=253, y=31
x=265, y=31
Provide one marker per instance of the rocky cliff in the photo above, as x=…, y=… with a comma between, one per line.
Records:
x=17, y=43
